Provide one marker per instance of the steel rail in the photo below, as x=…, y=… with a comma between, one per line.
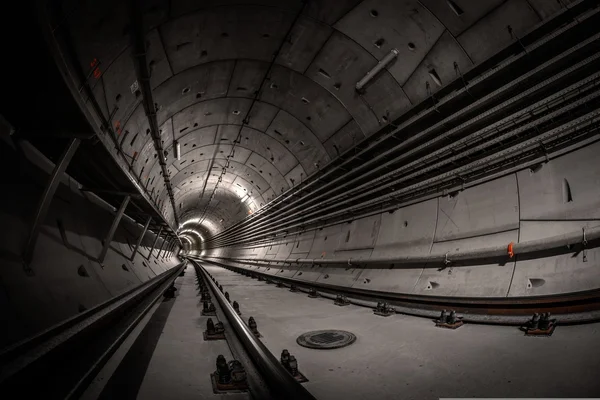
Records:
x=280, y=381
x=587, y=120
x=32, y=359
x=569, y=308
x=470, y=139
x=477, y=80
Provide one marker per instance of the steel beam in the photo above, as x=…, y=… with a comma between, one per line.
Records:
x=154, y=243
x=46, y=200
x=113, y=229
x=113, y=192
x=169, y=243
x=139, y=241
x=161, y=247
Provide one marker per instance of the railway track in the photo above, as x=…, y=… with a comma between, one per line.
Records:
x=64, y=360
x=60, y=362
x=568, y=308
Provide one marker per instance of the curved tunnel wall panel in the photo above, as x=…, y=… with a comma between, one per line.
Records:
x=565, y=188
x=561, y=273
x=488, y=208
x=408, y=230
x=478, y=280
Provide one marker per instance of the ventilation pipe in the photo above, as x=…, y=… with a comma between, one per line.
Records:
x=380, y=65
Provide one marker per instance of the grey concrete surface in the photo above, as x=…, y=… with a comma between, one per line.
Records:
x=182, y=361
x=407, y=357
x=207, y=61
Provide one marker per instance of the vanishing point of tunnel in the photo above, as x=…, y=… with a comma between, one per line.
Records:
x=300, y=199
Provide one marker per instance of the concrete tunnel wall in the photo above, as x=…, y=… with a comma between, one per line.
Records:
x=66, y=278
x=562, y=197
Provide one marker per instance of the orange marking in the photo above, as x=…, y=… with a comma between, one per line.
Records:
x=511, y=253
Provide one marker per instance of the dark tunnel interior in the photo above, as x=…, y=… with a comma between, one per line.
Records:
x=332, y=199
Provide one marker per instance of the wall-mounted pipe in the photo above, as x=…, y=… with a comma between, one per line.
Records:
x=352, y=154
x=376, y=69
x=532, y=246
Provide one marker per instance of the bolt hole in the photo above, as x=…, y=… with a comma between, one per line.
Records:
x=224, y=34
x=411, y=46
x=118, y=97
x=186, y=90
x=236, y=112
x=374, y=13
x=379, y=42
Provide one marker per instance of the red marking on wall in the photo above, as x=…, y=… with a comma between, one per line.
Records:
x=118, y=127
x=511, y=253
x=94, y=64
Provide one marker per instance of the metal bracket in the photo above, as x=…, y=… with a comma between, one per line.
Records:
x=584, y=244
x=113, y=229
x=139, y=241
x=46, y=200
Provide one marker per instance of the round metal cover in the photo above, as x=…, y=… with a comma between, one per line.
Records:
x=327, y=339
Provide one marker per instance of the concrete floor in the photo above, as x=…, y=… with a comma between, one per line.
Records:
x=407, y=357
x=182, y=361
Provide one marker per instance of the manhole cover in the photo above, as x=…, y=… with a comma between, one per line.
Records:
x=329, y=339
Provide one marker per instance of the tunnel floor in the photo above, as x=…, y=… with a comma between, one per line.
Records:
x=393, y=357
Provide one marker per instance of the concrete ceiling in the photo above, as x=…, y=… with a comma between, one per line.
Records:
x=207, y=61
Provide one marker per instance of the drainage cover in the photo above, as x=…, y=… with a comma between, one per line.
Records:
x=328, y=339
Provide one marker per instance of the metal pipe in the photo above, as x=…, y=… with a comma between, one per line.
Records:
x=139, y=241
x=498, y=157
x=531, y=246
x=487, y=178
x=45, y=201
x=177, y=148
x=338, y=185
x=376, y=69
x=363, y=145
x=113, y=229
x=280, y=381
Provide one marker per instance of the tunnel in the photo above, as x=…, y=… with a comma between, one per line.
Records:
x=330, y=199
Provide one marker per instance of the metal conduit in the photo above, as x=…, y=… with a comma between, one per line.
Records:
x=462, y=186
x=478, y=135
x=480, y=79
x=408, y=141
x=586, y=120
x=529, y=247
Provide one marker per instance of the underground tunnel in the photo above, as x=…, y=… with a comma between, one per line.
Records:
x=303, y=199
